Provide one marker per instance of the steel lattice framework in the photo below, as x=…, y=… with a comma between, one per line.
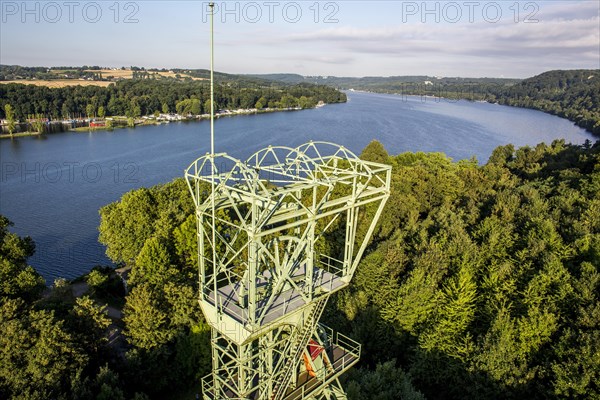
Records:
x=268, y=268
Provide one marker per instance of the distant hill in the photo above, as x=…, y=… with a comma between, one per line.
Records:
x=381, y=83
x=571, y=94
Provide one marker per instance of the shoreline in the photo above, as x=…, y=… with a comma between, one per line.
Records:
x=437, y=99
x=20, y=134
x=149, y=120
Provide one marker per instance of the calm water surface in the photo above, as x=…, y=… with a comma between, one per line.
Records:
x=52, y=187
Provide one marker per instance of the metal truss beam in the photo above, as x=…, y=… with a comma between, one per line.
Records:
x=263, y=285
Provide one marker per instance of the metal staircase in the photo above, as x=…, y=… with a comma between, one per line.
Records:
x=298, y=345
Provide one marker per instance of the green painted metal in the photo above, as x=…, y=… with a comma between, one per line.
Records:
x=267, y=270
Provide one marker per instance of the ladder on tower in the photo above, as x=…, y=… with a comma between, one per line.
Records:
x=301, y=341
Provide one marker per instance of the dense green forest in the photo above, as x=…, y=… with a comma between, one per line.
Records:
x=484, y=281
x=571, y=94
x=136, y=97
x=481, y=282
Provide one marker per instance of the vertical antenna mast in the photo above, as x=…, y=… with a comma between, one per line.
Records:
x=212, y=134
x=212, y=82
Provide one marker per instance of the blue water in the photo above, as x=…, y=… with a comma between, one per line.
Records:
x=52, y=187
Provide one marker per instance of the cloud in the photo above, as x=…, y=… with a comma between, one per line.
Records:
x=568, y=11
x=506, y=41
x=373, y=40
x=328, y=59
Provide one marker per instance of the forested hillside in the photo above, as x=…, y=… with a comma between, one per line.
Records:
x=385, y=84
x=482, y=282
x=136, y=97
x=63, y=346
x=571, y=94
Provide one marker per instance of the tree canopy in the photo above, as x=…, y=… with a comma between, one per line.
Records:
x=136, y=97
x=482, y=281
x=486, y=283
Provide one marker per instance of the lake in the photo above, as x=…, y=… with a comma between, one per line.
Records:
x=51, y=187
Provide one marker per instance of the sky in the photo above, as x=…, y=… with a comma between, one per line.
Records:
x=512, y=39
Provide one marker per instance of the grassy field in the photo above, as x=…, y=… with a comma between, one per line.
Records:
x=117, y=73
x=128, y=74
x=57, y=83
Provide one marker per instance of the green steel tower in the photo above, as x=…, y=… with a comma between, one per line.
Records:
x=278, y=234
